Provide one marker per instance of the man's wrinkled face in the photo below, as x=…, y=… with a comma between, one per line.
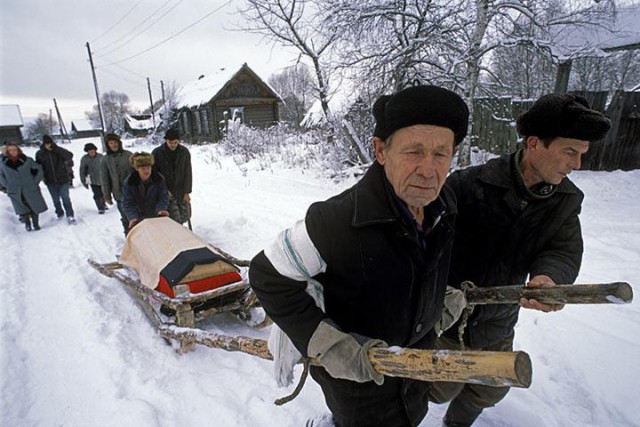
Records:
x=144, y=172
x=113, y=145
x=416, y=161
x=172, y=143
x=553, y=163
x=48, y=146
x=92, y=152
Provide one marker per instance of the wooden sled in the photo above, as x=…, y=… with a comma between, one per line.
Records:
x=177, y=278
x=189, y=308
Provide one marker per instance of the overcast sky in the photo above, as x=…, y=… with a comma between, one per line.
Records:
x=43, y=52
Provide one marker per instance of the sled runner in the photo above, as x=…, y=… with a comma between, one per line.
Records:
x=177, y=278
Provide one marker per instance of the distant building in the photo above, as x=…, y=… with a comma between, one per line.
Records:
x=10, y=124
x=138, y=125
x=83, y=129
x=207, y=104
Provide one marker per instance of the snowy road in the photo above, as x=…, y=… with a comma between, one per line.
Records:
x=76, y=351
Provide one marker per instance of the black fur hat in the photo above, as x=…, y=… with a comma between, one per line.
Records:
x=90, y=146
x=172, y=134
x=46, y=139
x=421, y=105
x=563, y=115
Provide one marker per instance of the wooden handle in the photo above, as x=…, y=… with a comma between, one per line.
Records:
x=492, y=368
x=603, y=293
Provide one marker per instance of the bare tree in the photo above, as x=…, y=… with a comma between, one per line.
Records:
x=295, y=86
x=44, y=124
x=297, y=24
x=115, y=106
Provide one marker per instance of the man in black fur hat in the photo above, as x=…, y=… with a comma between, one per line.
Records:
x=517, y=218
x=369, y=267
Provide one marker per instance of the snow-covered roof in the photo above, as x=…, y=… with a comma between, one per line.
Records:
x=139, y=122
x=206, y=87
x=623, y=31
x=10, y=116
x=83, y=125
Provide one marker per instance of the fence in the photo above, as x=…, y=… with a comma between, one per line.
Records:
x=494, y=128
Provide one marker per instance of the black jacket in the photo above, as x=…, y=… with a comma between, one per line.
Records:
x=501, y=237
x=144, y=200
x=56, y=163
x=177, y=172
x=378, y=282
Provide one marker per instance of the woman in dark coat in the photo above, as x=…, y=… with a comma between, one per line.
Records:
x=20, y=177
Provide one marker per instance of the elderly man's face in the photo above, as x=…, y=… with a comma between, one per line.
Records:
x=416, y=160
x=113, y=145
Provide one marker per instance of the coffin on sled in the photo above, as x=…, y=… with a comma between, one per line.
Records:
x=165, y=265
x=177, y=278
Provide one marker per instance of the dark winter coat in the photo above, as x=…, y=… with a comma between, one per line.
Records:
x=90, y=167
x=379, y=282
x=175, y=167
x=501, y=237
x=114, y=169
x=21, y=181
x=56, y=163
x=144, y=200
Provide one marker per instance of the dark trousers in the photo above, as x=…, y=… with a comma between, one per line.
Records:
x=60, y=192
x=123, y=216
x=98, y=197
x=178, y=210
x=468, y=400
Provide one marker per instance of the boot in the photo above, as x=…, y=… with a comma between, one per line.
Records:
x=27, y=221
x=36, y=222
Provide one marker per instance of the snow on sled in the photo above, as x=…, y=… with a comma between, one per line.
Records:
x=177, y=278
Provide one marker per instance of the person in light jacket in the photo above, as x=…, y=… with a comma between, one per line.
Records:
x=90, y=175
x=20, y=178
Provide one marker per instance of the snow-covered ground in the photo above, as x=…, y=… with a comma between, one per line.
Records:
x=76, y=351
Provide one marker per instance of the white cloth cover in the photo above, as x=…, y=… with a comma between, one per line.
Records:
x=293, y=255
x=154, y=243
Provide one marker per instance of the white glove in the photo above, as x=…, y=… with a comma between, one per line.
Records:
x=454, y=303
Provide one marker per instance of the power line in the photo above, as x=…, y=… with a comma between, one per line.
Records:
x=136, y=27
x=117, y=22
x=172, y=36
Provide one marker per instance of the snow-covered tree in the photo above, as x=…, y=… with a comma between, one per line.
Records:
x=295, y=86
x=42, y=125
x=295, y=24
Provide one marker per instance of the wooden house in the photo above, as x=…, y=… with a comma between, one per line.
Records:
x=84, y=129
x=138, y=125
x=10, y=124
x=206, y=105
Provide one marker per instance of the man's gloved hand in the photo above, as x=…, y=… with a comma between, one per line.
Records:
x=344, y=355
x=454, y=304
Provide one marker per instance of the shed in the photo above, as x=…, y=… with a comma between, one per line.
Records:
x=10, y=124
x=206, y=105
x=84, y=129
x=138, y=125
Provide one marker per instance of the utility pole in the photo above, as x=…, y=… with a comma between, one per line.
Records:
x=164, y=101
x=95, y=85
x=153, y=116
x=63, y=129
x=50, y=124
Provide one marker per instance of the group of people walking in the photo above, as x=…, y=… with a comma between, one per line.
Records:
x=143, y=185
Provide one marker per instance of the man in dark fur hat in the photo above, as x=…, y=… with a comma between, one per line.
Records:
x=517, y=218
x=369, y=267
x=144, y=192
